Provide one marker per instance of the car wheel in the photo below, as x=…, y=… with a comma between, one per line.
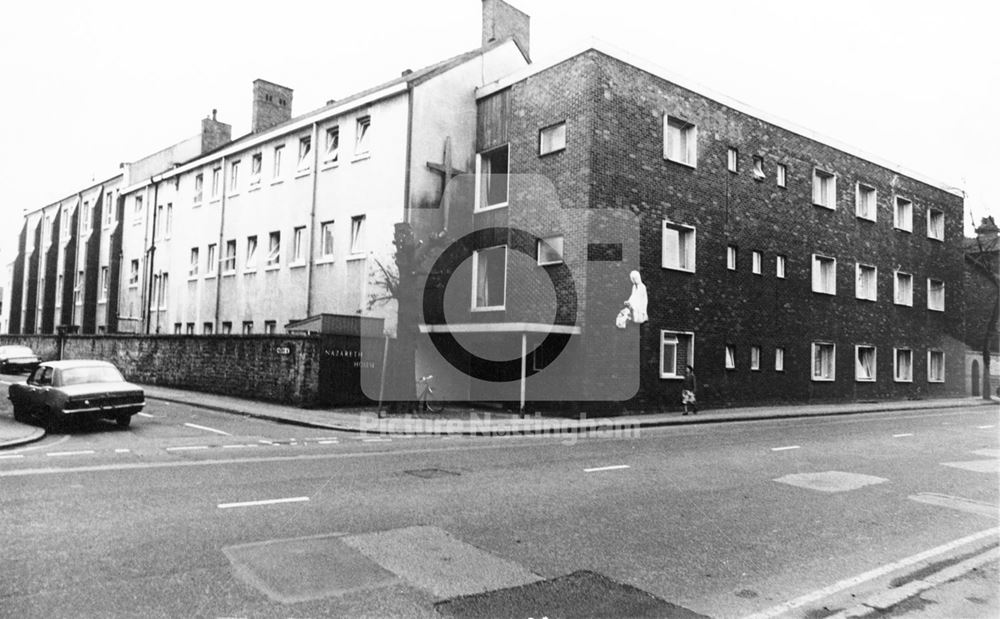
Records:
x=123, y=421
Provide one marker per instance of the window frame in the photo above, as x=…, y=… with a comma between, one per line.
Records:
x=194, y=262
x=779, y=358
x=327, y=240
x=686, y=130
x=932, y=296
x=687, y=240
x=896, y=219
x=755, y=353
x=756, y=262
x=546, y=241
x=859, y=268
x=357, y=237
x=781, y=175
x=362, y=136
x=729, y=351
x=732, y=257
x=273, y=259
x=895, y=365
x=551, y=130
x=733, y=159
x=475, y=280
x=298, y=256
x=861, y=190
x=858, y=367
x=933, y=215
x=816, y=347
x=896, y=275
x=818, y=260
x=824, y=188
x=331, y=145
x=482, y=196
x=930, y=366
x=210, y=261
x=229, y=260
x=678, y=373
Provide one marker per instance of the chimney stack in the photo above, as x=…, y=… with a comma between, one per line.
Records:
x=272, y=105
x=214, y=133
x=501, y=20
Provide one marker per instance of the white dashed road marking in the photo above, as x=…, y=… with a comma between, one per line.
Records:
x=985, y=427
x=7, y=457
x=296, y=499
x=122, y=451
x=376, y=440
x=607, y=468
x=785, y=448
x=70, y=453
x=197, y=427
x=900, y=435
x=144, y=415
x=187, y=448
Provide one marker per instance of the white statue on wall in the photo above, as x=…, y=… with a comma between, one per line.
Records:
x=635, y=306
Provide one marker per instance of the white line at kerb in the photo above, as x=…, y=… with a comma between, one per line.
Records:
x=296, y=499
x=197, y=427
x=878, y=572
x=70, y=453
x=187, y=448
x=144, y=414
x=785, y=448
x=607, y=468
x=985, y=427
x=900, y=435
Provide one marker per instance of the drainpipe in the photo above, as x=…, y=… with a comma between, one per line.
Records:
x=312, y=220
x=151, y=254
x=218, y=247
x=76, y=261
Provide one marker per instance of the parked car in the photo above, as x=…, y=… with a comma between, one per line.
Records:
x=60, y=390
x=17, y=359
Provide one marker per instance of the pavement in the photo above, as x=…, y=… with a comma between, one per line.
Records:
x=490, y=422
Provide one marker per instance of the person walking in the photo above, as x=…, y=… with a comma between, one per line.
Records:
x=688, y=391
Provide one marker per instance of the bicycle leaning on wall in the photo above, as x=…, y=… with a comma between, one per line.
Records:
x=426, y=400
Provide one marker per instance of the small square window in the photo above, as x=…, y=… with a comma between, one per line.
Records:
x=781, y=174
x=824, y=189
x=779, y=359
x=552, y=139
x=550, y=250
x=732, y=159
x=824, y=356
x=902, y=365
x=935, y=224
x=865, y=199
x=780, y=265
x=730, y=357
x=758, y=168
x=678, y=247
x=903, y=215
x=867, y=282
x=902, y=289
x=755, y=358
x=824, y=274
x=864, y=363
x=757, y=260
x=680, y=141
x=731, y=257
x=935, y=295
x=935, y=366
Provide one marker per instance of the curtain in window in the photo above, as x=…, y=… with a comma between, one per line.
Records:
x=668, y=356
x=823, y=361
x=936, y=366
x=866, y=364
x=904, y=365
x=730, y=357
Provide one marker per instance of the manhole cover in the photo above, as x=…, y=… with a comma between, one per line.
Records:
x=580, y=594
x=431, y=473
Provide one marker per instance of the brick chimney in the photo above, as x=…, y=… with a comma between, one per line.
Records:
x=272, y=105
x=214, y=133
x=501, y=20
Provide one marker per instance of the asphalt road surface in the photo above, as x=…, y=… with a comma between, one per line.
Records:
x=194, y=513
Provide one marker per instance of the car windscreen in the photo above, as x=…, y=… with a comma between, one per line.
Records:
x=90, y=374
x=16, y=351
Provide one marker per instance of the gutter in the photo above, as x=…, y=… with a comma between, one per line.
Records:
x=218, y=247
x=310, y=265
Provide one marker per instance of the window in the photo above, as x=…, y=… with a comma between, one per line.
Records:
x=902, y=365
x=865, y=198
x=190, y=329
x=332, y=144
x=177, y=328
x=864, y=363
x=298, y=244
x=489, y=278
x=680, y=141
x=730, y=357
x=357, y=234
x=194, y=262
x=210, y=260
x=755, y=358
x=676, y=352
x=78, y=288
x=305, y=152
x=229, y=260
x=903, y=215
x=491, y=178
x=550, y=250
x=207, y=328
x=234, y=177
x=104, y=283
x=867, y=282
x=274, y=249
x=779, y=359
x=824, y=274
x=164, y=289
x=109, y=211
x=824, y=364
x=133, y=273
x=552, y=139
x=824, y=189
x=757, y=260
x=326, y=239
x=256, y=162
x=168, y=223
x=199, y=189
x=902, y=289
x=270, y=327
x=935, y=366
x=732, y=159
x=780, y=174
x=251, y=258
x=678, y=247
x=935, y=224
x=935, y=295
x=758, y=168
x=227, y=327
x=276, y=168
x=362, y=136
x=137, y=209
x=59, y=290
x=247, y=327
x=731, y=257
x=85, y=216
x=780, y=264
x=216, y=182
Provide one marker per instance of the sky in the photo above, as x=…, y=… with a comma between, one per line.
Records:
x=88, y=85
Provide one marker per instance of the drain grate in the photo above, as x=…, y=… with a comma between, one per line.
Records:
x=431, y=473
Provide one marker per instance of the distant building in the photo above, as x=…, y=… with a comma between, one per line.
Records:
x=982, y=298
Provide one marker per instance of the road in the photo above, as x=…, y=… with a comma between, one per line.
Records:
x=194, y=513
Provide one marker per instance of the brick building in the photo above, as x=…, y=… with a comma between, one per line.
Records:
x=782, y=265
x=982, y=315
